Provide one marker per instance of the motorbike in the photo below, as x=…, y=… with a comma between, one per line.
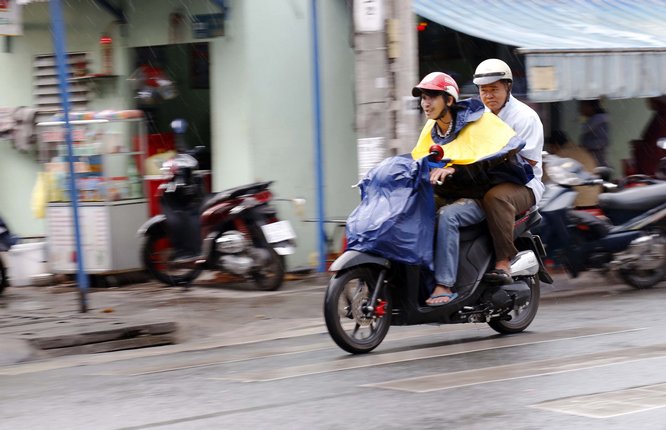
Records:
x=372, y=290
x=7, y=240
x=235, y=231
x=626, y=233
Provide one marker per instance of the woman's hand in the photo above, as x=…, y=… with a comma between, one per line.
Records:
x=439, y=174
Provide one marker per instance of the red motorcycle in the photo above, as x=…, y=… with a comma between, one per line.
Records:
x=235, y=231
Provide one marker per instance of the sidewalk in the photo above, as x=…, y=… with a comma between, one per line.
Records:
x=40, y=322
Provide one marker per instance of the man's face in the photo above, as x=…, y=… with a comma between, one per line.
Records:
x=432, y=105
x=494, y=95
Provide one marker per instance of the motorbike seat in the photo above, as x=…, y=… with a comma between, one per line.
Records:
x=635, y=199
x=232, y=193
x=526, y=220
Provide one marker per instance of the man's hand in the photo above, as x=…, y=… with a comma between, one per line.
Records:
x=439, y=174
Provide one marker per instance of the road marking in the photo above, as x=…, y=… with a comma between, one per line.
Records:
x=438, y=382
x=376, y=359
x=610, y=404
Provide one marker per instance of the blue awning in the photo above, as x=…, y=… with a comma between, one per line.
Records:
x=575, y=49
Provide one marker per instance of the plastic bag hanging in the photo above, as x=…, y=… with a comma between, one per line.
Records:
x=152, y=85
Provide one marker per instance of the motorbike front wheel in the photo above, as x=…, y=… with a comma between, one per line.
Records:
x=345, y=310
x=158, y=253
x=520, y=318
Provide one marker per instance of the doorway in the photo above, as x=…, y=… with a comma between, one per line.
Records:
x=173, y=82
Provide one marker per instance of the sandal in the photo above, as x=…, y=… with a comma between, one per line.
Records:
x=498, y=276
x=451, y=297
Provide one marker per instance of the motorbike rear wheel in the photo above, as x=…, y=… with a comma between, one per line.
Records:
x=647, y=278
x=158, y=254
x=346, y=298
x=270, y=276
x=521, y=318
x=643, y=279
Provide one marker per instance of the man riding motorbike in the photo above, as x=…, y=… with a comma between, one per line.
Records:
x=484, y=150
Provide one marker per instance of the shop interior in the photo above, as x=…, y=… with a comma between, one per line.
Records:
x=173, y=82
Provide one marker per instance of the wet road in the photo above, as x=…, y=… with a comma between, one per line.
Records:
x=591, y=361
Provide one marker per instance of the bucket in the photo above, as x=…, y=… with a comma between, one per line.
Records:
x=25, y=261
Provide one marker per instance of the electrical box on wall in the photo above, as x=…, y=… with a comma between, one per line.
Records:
x=208, y=25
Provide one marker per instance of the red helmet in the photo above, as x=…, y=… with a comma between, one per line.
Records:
x=437, y=81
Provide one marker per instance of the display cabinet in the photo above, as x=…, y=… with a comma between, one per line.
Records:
x=108, y=151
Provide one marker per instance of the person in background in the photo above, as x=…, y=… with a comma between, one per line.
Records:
x=562, y=146
x=595, y=134
x=505, y=201
x=646, y=152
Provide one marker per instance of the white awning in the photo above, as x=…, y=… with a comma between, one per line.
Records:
x=574, y=49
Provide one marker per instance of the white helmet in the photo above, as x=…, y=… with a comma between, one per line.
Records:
x=492, y=70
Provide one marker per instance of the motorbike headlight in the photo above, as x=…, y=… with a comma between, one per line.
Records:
x=562, y=176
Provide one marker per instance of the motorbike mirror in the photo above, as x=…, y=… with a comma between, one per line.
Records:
x=661, y=143
x=603, y=172
x=179, y=126
x=436, y=153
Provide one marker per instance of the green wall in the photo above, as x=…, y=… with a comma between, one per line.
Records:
x=263, y=126
x=17, y=170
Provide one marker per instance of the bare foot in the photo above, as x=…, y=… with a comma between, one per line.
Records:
x=503, y=265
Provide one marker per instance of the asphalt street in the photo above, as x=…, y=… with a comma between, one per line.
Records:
x=593, y=358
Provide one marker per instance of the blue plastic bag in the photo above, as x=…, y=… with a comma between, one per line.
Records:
x=396, y=216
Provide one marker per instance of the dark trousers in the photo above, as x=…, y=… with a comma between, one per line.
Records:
x=502, y=203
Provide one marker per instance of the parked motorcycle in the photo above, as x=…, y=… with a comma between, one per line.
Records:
x=626, y=233
x=235, y=231
x=370, y=291
x=7, y=240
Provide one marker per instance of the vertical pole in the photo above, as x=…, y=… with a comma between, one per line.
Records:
x=403, y=66
x=321, y=238
x=61, y=60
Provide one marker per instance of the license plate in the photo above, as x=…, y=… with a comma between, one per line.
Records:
x=278, y=231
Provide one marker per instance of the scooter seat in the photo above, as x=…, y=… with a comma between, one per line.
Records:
x=636, y=199
x=232, y=193
x=526, y=220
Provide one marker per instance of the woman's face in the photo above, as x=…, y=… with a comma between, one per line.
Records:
x=432, y=105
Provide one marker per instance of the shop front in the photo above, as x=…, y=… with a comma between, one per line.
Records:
x=244, y=86
x=561, y=53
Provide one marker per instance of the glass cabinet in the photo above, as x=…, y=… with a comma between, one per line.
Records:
x=108, y=150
